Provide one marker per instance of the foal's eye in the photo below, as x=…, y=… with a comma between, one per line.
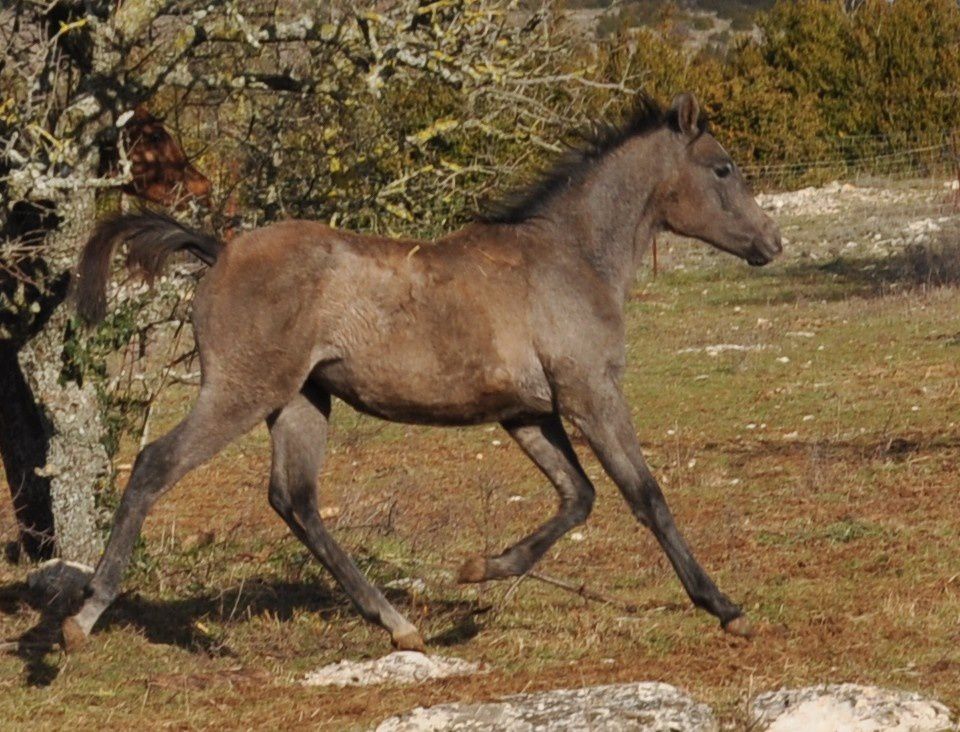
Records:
x=722, y=171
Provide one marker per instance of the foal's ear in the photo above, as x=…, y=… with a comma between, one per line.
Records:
x=685, y=110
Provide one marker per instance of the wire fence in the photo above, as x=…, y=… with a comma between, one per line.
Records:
x=864, y=158
x=879, y=197
x=882, y=192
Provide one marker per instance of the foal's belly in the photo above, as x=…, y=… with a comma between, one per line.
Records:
x=420, y=391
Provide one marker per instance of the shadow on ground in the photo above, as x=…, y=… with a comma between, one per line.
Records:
x=178, y=622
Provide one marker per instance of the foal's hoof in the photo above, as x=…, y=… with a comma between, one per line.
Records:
x=473, y=570
x=740, y=626
x=73, y=636
x=411, y=641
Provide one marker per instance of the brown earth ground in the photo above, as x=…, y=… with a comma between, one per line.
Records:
x=816, y=475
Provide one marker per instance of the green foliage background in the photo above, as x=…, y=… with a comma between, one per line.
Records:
x=886, y=69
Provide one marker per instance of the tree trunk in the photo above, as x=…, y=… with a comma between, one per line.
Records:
x=52, y=426
x=77, y=463
x=50, y=440
x=23, y=449
x=76, y=460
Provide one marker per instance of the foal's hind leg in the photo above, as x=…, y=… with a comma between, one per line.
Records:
x=546, y=443
x=299, y=433
x=216, y=419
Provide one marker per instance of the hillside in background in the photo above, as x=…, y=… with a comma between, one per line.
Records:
x=739, y=12
x=703, y=22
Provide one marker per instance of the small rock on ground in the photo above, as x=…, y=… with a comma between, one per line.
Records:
x=647, y=707
x=411, y=584
x=401, y=667
x=848, y=708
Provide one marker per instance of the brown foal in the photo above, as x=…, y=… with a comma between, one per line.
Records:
x=516, y=319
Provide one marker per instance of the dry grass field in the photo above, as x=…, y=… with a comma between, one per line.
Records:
x=804, y=420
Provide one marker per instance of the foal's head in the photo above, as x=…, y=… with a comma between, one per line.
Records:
x=160, y=169
x=705, y=196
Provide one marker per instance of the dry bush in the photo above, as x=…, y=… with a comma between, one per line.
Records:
x=935, y=263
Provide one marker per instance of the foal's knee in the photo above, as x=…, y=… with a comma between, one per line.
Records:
x=647, y=502
x=293, y=502
x=582, y=504
x=279, y=499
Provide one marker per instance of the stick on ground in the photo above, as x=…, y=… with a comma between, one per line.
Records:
x=584, y=592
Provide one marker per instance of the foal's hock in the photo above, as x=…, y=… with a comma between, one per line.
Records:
x=516, y=319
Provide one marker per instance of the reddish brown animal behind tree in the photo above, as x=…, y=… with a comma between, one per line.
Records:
x=161, y=172
x=517, y=319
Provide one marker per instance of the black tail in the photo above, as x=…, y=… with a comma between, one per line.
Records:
x=151, y=237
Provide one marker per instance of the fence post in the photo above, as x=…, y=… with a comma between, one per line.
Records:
x=656, y=268
x=955, y=154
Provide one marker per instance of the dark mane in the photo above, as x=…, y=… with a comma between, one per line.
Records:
x=527, y=201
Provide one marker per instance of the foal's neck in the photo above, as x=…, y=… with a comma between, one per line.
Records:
x=610, y=216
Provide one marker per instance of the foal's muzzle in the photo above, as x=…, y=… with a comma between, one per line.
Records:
x=765, y=249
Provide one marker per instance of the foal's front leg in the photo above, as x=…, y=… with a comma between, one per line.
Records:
x=546, y=443
x=603, y=415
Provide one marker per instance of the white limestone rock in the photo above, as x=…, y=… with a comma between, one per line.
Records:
x=848, y=708
x=401, y=667
x=643, y=707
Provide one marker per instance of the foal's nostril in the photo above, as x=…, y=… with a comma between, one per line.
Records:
x=772, y=242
